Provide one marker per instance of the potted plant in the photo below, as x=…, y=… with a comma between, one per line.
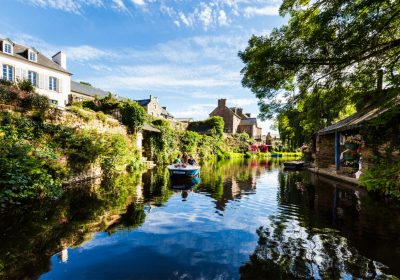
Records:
x=352, y=142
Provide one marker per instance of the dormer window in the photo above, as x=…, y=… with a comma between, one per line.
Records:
x=32, y=56
x=7, y=48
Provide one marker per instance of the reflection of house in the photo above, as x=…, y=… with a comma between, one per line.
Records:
x=82, y=92
x=236, y=121
x=49, y=76
x=153, y=108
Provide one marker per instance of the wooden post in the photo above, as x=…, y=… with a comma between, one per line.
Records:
x=337, y=150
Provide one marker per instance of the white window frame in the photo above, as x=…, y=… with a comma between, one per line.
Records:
x=9, y=72
x=30, y=78
x=5, y=45
x=32, y=53
x=53, y=83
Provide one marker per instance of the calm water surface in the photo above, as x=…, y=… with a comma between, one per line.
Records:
x=248, y=219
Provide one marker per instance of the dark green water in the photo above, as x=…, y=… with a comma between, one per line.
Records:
x=247, y=219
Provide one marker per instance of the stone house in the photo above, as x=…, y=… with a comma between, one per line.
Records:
x=236, y=121
x=48, y=76
x=153, y=108
x=84, y=92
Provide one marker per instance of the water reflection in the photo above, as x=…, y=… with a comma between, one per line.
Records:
x=247, y=219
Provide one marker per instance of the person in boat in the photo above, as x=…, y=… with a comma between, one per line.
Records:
x=177, y=160
x=192, y=161
x=185, y=158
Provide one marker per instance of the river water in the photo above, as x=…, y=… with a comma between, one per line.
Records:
x=241, y=220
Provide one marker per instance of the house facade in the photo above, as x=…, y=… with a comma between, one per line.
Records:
x=236, y=121
x=153, y=108
x=48, y=76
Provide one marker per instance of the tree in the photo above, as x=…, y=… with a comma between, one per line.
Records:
x=330, y=45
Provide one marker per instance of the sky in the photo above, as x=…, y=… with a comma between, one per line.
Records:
x=182, y=51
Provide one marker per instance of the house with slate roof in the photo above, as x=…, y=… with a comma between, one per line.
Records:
x=153, y=108
x=237, y=121
x=83, y=92
x=49, y=76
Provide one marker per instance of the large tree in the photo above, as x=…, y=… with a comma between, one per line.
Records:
x=329, y=48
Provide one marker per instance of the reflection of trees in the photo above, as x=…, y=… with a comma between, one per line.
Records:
x=288, y=251
x=31, y=236
x=299, y=241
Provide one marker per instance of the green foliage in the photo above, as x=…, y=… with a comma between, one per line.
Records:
x=132, y=115
x=85, y=83
x=188, y=141
x=5, y=83
x=384, y=177
x=36, y=157
x=25, y=85
x=215, y=124
x=7, y=95
x=36, y=102
x=83, y=113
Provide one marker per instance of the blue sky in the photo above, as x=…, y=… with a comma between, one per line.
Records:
x=182, y=51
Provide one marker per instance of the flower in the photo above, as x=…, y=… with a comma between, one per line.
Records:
x=353, y=140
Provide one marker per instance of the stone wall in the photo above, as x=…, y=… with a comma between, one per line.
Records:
x=325, y=150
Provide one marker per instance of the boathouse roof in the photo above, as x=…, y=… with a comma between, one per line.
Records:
x=356, y=120
x=87, y=89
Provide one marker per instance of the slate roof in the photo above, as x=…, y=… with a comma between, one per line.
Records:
x=143, y=102
x=249, y=121
x=357, y=119
x=165, y=112
x=87, y=90
x=21, y=52
x=148, y=127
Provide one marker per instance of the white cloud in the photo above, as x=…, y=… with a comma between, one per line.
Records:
x=205, y=15
x=73, y=6
x=87, y=53
x=261, y=11
x=222, y=18
x=241, y=102
x=138, y=2
x=119, y=5
x=186, y=20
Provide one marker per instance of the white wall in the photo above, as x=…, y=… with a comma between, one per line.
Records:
x=21, y=69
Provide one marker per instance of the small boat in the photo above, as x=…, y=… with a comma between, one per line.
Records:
x=179, y=170
x=296, y=164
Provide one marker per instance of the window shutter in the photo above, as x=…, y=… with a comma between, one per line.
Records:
x=41, y=80
x=46, y=82
x=59, y=85
x=18, y=72
x=24, y=75
x=13, y=74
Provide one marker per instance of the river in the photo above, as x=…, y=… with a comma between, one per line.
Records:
x=242, y=220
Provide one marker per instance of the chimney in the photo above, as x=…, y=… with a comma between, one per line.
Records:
x=221, y=102
x=379, y=84
x=248, y=115
x=240, y=111
x=61, y=59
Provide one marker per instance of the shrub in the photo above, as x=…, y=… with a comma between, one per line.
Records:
x=5, y=82
x=25, y=85
x=132, y=115
x=36, y=102
x=101, y=116
x=7, y=96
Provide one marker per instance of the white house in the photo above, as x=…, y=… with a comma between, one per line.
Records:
x=49, y=76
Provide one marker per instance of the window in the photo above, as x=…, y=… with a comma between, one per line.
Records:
x=32, y=56
x=53, y=102
x=32, y=76
x=53, y=83
x=7, y=48
x=8, y=72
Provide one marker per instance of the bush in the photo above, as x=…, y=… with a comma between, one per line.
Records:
x=132, y=115
x=383, y=177
x=7, y=96
x=25, y=85
x=36, y=102
x=5, y=82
